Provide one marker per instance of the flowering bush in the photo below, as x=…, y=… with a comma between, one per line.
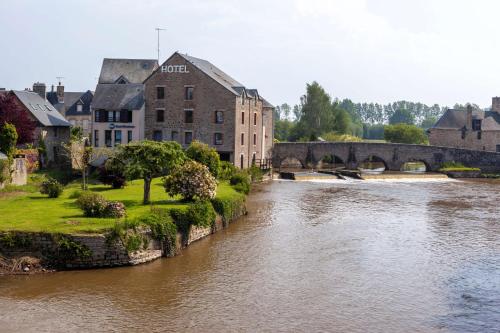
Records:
x=51, y=187
x=115, y=209
x=191, y=180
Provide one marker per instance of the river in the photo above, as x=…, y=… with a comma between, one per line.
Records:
x=338, y=256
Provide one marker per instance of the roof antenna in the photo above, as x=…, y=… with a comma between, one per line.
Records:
x=158, y=30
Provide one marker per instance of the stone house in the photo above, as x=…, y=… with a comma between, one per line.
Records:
x=470, y=129
x=188, y=98
x=51, y=127
x=74, y=106
x=118, y=102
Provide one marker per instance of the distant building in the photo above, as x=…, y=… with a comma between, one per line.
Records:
x=118, y=103
x=188, y=99
x=51, y=127
x=471, y=129
x=74, y=106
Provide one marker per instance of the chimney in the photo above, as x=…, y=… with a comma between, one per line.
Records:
x=40, y=89
x=60, y=93
x=468, y=125
x=495, y=104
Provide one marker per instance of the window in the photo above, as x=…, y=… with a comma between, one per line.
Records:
x=218, y=139
x=241, y=161
x=97, y=116
x=79, y=108
x=125, y=116
x=157, y=135
x=174, y=136
x=498, y=148
x=476, y=124
x=464, y=132
x=110, y=116
x=188, y=116
x=129, y=136
x=160, y=92
x=254, y=139
x=85, y=124
x=188, y=137
x=160, y=116
x=117, y=116
x=243, y=118
x=96, y=138
x=243, y=99
x=118, y=137
x=219, y=117
x=479, y=135
x=188, y=93
x=242, y=139
x=255, y=118
x=107, y=138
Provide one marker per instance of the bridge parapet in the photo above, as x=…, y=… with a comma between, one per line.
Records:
x=393, y=155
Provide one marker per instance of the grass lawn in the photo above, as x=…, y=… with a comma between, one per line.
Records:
x=33, y=211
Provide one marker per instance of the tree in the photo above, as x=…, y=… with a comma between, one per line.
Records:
x=205, y=155
x=76, y=133
x=8, y=139
x=191, y=180
x=282, y=129
x=402, y=116
x=285, y=111
x=404, y=133
x=11, y=112
x=428, y=122
x=149, y=159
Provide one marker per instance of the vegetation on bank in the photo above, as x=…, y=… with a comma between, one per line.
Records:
x=456, y=167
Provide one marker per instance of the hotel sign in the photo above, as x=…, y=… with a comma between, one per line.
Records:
x=174, y=69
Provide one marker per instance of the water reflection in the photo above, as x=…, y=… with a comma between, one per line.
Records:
x=310, y=256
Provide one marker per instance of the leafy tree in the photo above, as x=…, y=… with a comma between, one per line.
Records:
x=402, y=116
x=149, y=159
x=282, y=129
x=373, y=132
x=205, y=155
x=76, y=133
x=192, y=180
x=8, y=140
x=11, y=112
x=428, y=122
x=404, y=133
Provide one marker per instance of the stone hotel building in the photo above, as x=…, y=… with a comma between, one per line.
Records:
x=188, y=99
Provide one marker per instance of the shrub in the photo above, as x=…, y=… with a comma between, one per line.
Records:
x=8, y=139
x=69, y=249
x=51, y=187
x=75, y=194
x=202, y=153
x=92, y=204
x=4, y=171
x=228, y=208
x=255, y=173
x=115, y=209
x=108, y=177
x=404, y=133
x=200, y=213
x=241, y=182
x=162, y=227
x=227, y=170
x=191, y=180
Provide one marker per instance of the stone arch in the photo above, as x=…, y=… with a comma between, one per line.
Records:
x=415, y=160
x=373, y=161
x=291, y=162
x=330, y=161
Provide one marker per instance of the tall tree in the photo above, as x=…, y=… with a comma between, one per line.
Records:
x=11, y=112
x=402, y=116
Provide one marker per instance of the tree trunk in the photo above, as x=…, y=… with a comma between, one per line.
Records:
x=84, y=179
x=147, y=190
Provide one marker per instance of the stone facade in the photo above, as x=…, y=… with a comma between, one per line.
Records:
x=217, y=110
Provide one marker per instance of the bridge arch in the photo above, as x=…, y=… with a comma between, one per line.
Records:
x=373, y=162
x=291, y=162
x=330, y=161
x=412, y=165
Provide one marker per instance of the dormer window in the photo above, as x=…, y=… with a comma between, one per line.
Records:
x=79, y=108
x=121, y=80
x=476, y=124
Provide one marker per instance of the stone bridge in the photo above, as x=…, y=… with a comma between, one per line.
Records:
x=393, y=155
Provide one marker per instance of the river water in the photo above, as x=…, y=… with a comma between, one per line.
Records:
x=338, y=256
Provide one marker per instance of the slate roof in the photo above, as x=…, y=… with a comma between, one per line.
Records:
x=266, y=104
x=133, y=70
x=119, y=96
x=457, y=119
x=40, y=108
x=71, y=102
x=215, y=73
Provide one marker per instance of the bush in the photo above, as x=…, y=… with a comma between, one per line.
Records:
x=162, y=227
x=8, y=139
x=255, y=173
x=51, y=187
x=115, y=209
x=228, y=208
x=202, y=153
x=241, y=182
x=200, y=214
x=109, y=178
x=404, y=133
x=192, y=181
x=92, y=204
x=227, y=170
x=4, y=171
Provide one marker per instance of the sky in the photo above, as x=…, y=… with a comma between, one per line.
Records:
x=429, y=51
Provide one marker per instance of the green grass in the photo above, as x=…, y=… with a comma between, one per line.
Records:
x=458, y=169
x=32, y=211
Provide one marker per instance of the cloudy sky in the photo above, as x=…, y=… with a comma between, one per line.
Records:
x=432, y=51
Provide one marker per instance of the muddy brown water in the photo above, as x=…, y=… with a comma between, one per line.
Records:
x=332, y=256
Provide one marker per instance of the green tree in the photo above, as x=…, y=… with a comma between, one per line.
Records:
x=8, y=140
x=149, y=159
x=402, y=116
x=405, y=133
x=428, y=122
x=202, y=153
x=76, y=133
x=282, y=129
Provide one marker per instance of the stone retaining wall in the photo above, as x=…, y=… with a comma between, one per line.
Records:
x=94, y=250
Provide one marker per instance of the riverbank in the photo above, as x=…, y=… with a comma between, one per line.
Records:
x=39, y=234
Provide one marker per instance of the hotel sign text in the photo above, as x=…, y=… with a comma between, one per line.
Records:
x=174, y=69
